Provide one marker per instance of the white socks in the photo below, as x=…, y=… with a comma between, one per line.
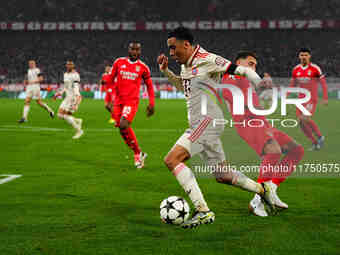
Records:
x=26, y=110
x=187, y=180
x=46, y=107
x=243, y=182
x=69, y=119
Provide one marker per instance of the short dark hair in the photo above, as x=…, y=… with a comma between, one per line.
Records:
x=244, y=54
x=305, y=49
x=182, y=33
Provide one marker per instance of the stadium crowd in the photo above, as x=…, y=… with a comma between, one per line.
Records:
x=91, y=51
x=83, y=10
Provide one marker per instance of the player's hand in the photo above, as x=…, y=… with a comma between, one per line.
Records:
x=324, y=102
x=55, y=96
x=162, y=61
x=150, y=110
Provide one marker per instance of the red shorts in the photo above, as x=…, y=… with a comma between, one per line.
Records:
x=310, y=106
x=257, y=131
x=127, y=110
x=110, y=96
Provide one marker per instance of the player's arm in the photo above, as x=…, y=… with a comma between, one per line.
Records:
x=249, y=73
x=150, y=110
x=59, y=93
x=322, y=81
x=40, y=78
x=324, y=89
x=109, y=79
x=174, y=79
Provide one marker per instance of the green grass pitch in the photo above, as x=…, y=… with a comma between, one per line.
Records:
x=85, y=197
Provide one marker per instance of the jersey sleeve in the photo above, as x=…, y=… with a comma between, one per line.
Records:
x=148, y=82
x=113, y=72
x=318, y=71
x=216, y=64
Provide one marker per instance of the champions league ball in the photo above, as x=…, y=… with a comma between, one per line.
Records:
x=174, y=210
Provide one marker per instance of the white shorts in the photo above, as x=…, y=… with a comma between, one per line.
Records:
x=69, y=104
x=33, y=91
x=205, y=141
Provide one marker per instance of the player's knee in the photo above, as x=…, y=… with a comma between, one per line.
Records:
x=225, y=178
x=169, y=162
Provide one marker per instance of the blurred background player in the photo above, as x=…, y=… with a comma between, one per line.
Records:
x=110, y=92
x=72, y=100
x=198, y=69
x=308, y=75
x=266, y=94
x=268, y=142
x=129, y=73
x=34, y=78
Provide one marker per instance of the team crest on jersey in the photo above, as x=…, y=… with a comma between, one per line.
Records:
x=194, y=71
x=309, y=72
x=298, y=73
x=137, y=68
x=123, y=66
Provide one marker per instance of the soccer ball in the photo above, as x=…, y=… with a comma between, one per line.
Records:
x=174, y=210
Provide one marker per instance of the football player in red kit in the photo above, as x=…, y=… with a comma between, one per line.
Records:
x=268, y=142
x=129, y=72
x=110, y=92
x=308, y=75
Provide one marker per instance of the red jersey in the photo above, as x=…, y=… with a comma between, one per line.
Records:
x=243, y=84
x=129, y=76
x=308, y=77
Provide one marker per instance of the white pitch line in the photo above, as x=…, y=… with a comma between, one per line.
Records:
x=10, y=177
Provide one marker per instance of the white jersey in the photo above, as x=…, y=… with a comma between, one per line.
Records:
x=71, y=84
x=204, y=66
x=32, y=75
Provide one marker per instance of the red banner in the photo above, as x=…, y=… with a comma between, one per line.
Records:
x=160, y=26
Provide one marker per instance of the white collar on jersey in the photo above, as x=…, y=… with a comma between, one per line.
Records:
x=132, y=62
x=189, y=62
x=304, y=67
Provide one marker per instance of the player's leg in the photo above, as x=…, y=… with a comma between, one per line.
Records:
x=46, y=107
x=174, y=160
x=293, y=154
x=26, y=108
x=66, y=109
x=125, y=114
x=311, y=107
x=305, y=127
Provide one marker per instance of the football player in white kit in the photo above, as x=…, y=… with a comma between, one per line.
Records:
x=72, y=99
x=33, y=80
x=198, y=67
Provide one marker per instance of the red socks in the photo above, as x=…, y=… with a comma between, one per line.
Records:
x=288, y=164
x=130, y=139
x=314, y=127
x=307, y=130
x=269, y=161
